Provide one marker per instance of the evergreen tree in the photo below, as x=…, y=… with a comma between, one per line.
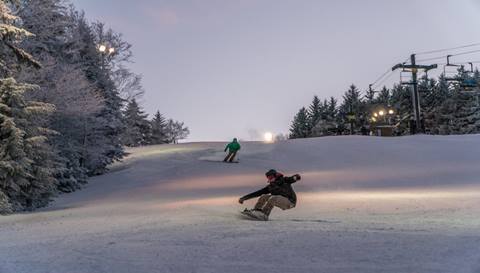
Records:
x=15, y=166
x=353, y=106
x=384, y=97
x=402, y=101
x=466, y=119
x=138, y=128
x=49, y=21
x=108, y=127
x=12, y=56
x=300, y=126
x=315, y=111
x=62, y=83
x=332, y=109
x=370, y=96
x=159, y=129
x=25, y=165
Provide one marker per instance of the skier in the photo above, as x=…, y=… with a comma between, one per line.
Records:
x=232, y=147
x=278, y=193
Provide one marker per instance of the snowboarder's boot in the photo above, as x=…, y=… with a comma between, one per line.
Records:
x=255, y=214
x=260, y=215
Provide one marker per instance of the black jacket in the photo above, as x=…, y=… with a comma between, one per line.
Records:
x=281, y=186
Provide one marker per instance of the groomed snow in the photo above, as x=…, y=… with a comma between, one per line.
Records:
x=366, y=204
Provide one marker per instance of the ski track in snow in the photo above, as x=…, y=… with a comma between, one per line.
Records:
x=366, y=204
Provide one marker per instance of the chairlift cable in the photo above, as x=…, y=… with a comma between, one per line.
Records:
x=465, y=53
x=446, y=49
x=433, y=58
x=383, y=75
x=384, y=79
x=451, y=55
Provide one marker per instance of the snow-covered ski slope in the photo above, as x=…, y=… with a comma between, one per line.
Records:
x=366, y=204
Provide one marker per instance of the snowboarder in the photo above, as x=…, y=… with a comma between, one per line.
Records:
x=278, y=193
x=232, y=147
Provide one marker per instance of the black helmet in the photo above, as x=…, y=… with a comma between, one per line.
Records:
x=271, y=172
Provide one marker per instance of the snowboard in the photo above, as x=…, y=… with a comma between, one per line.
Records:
x=221, y=161
x=235, y=161
x=247, y=214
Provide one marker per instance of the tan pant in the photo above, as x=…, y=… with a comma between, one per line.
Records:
x=230, y=157
x=266, y=203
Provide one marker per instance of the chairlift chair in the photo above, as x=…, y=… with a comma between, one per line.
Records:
x=405, y=77
x=450, y=70
x=467, y=83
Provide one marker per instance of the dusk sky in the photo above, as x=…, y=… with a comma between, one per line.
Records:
x=241, y=68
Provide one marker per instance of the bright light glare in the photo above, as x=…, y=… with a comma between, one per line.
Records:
x=390, y=112
x=381, y=113
x=375, y=114
x=102, y=48
x=111, y=50
x=268, y=137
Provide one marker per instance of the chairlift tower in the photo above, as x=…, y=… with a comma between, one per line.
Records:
x=413, y=67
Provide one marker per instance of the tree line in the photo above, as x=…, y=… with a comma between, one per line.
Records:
x=449, y=106
x=67, y=106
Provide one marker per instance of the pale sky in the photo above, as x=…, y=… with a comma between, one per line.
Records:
x=240, y=68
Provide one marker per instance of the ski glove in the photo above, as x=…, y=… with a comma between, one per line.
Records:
x=297, y=177
x=240, y=200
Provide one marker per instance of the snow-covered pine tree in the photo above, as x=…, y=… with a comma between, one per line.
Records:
x=26, y=168
x=25, y=159
x=138, y=129
x=299, y=127
x=60, y=83
x=401, y=100
x=331, y=110
x=352, y=104
x=15, y=166
x=159, y=129
x=324, y=108
x=369, y=97
x=49, y=21
x=466, y=118
x=315, y=111
x=11, y=54
x=107, y=127
x=328, y=125
x=432, y=98
x=384, y=97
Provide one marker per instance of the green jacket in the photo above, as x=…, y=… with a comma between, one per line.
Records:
x=232, y=147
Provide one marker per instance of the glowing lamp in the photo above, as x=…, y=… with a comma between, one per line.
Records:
x=268, y=137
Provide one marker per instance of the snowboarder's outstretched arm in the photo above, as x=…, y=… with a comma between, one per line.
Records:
x=226, y=147
x=292, y=179
x=254, y=194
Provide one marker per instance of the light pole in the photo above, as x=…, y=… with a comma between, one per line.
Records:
x=381, y=118
x=105, y=50
x=383, y=114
